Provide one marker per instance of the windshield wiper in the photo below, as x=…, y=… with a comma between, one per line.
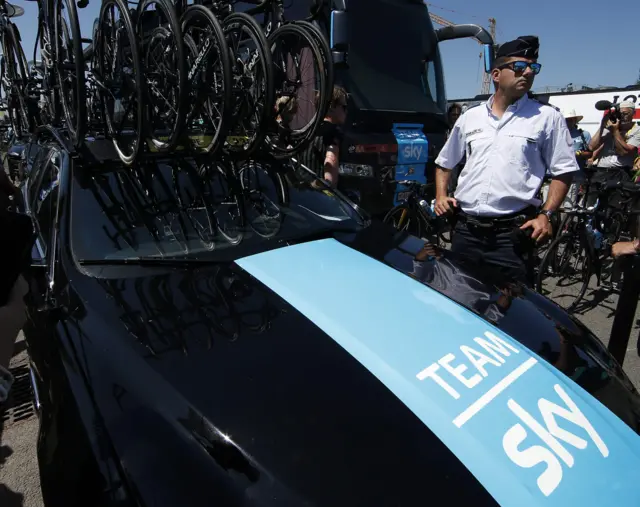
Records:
x=148, y=261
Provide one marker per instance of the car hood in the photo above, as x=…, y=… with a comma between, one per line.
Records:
x=316, y=374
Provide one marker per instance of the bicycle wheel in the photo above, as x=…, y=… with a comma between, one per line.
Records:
x=70, y=69
x=118, y=72
x=565, y=271
x=14, y=82
x=327, y=61
x=403, y=218
x=52, y=110
x=165, y=72
x=301, y=90
x=253, y=95
x=209, y=78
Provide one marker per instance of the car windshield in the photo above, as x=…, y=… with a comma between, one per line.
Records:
x=394, y=62
x=180, y=209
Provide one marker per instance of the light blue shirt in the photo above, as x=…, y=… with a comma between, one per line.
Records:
x=580, y=144
x=507, y=157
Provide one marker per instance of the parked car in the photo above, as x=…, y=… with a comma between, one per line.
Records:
x=202, y=334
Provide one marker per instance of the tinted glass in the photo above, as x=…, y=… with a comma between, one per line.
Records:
x=166, y=209
x=389, y=43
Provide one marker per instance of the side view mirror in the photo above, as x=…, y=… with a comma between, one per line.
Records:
x=473, y=32
x=338, y=37
x=489, y=57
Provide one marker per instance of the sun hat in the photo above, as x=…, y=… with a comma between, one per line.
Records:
x=571, y=113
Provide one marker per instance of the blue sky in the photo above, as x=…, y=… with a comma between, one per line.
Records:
x=582, y=42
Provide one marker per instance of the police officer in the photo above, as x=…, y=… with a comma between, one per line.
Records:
x=509, y=142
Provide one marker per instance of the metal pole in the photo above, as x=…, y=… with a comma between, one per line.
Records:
x=626, y=309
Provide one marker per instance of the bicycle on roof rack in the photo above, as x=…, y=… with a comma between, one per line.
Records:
x=303, y=73
x=13, y=70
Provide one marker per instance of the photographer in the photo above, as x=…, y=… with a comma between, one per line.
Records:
x=618, y=138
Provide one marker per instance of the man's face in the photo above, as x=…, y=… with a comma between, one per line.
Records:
x=626, y=114
x=338, y=114
x=572, y=123
x=513, y=82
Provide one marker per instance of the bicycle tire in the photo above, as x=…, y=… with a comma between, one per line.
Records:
x=174, y=30
x=127, y=156
x=16, y=73
x=53, y=110
x=222, y=86
x=586, y=271
x=74, y=98
x=327, y=60
x=242, y=21
x=412, y=225
x=295, y=140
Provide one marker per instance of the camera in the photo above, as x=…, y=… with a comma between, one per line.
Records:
x=612, y=110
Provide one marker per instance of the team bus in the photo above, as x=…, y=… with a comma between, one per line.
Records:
x=386, y=55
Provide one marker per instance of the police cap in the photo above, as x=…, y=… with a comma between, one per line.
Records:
x=525, y=46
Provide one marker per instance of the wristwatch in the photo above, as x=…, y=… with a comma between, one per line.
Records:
x=547, y=212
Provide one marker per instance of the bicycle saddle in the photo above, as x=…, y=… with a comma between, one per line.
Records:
x=14, y=11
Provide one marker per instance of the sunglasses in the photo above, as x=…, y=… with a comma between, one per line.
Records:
x=519, y=67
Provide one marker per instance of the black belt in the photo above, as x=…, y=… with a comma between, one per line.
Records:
x=501, y=222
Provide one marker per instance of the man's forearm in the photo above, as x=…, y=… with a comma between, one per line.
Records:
x=622, y=148
x=596, y=141
x=558, y=189
x=442, y=182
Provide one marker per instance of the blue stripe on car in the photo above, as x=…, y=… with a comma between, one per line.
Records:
x=413, y=153
x=527, y=432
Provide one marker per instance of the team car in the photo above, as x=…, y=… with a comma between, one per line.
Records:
x=208, y=334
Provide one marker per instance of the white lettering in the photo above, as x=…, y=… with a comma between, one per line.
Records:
x=412, y=152
x=548, y=480
x=430, y=372
x=458, y=370
x=574, y=415
x=496, y=346
x=478, y=359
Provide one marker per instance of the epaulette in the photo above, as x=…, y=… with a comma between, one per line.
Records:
x=471, y=107
x=535, y=99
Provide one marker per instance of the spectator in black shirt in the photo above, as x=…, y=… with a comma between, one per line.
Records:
x=322, y=154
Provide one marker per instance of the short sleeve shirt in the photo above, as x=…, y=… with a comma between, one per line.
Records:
x=507, y=158
x=609, y=158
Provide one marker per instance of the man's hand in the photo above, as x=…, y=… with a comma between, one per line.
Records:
x=542, y=229
x=445, y=205
x=613, y=125
x=622, y=248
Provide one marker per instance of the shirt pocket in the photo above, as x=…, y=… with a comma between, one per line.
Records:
x=524, y=150
x=477, y=146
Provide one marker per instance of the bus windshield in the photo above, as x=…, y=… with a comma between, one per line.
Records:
x=394, y=61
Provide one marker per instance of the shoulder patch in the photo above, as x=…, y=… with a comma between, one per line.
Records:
x=535, y=99
x=471, y=106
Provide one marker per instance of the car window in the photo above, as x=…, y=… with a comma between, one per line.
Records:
x=173, y=208
x=46, y=199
